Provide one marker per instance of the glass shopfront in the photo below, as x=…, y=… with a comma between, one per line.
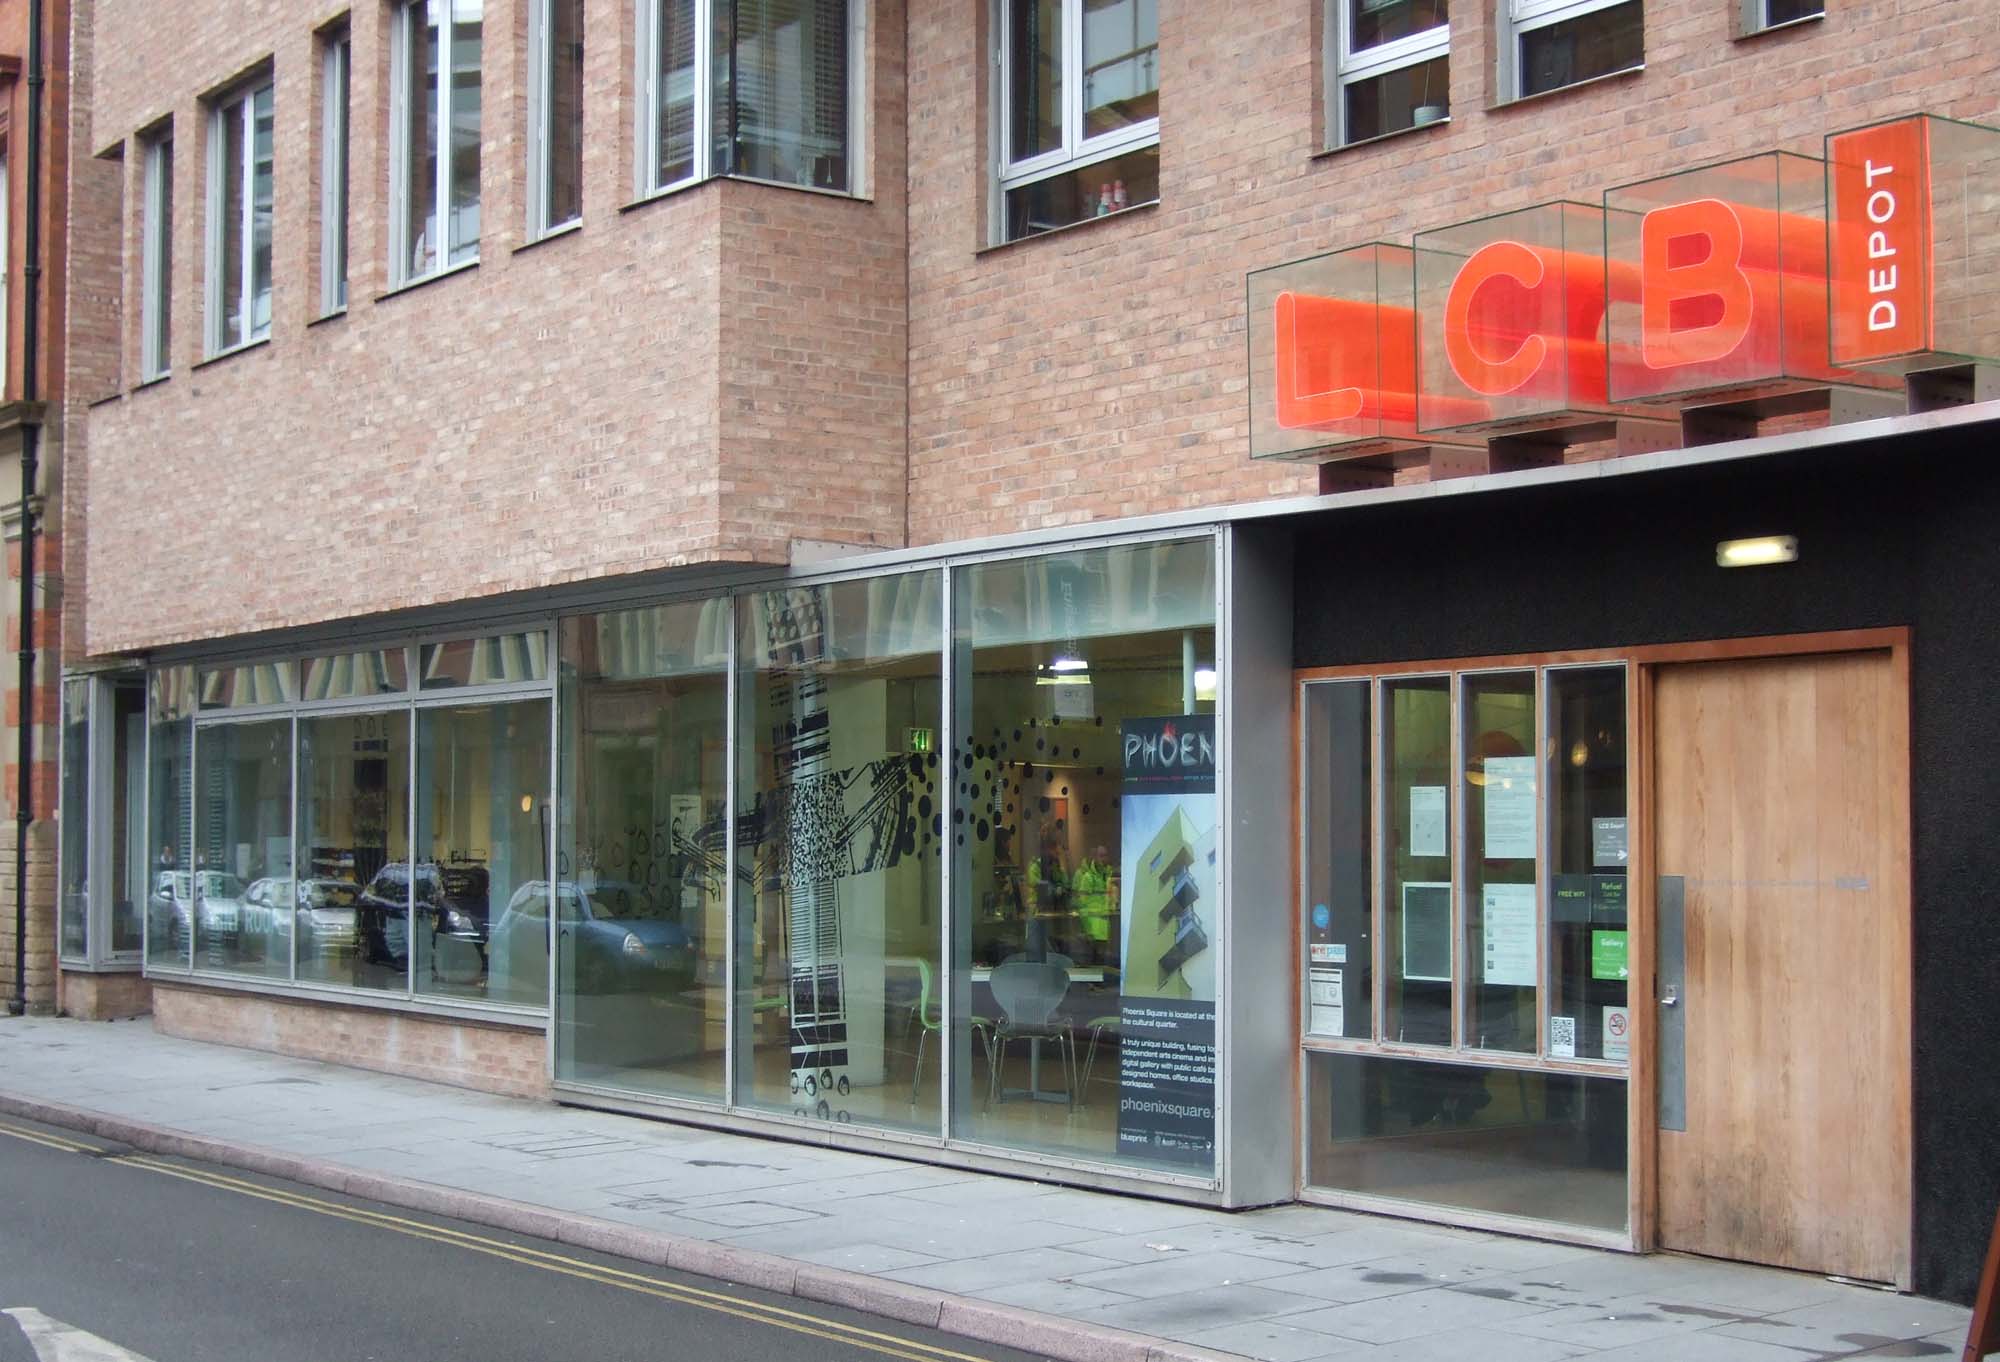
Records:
x=1464, y=866
x=931, y=853
x=321, y=821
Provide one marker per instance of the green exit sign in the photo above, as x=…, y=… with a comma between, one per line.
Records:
x=920, y=740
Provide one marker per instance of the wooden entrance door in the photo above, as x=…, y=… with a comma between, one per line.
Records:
x=1782, y=798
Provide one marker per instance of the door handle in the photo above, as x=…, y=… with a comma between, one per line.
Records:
x=1673, y=998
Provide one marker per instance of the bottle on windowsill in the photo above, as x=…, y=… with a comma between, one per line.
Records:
x=1103, y=200
x=1118, y=204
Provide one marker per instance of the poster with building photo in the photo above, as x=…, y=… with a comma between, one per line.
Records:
x=1169, y=916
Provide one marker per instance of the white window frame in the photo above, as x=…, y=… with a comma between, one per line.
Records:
x=1347, y=67
x=646, y=138
x=541, y=106
x=407, y=13
x=1522, y=17
x=241, y=106
x=336, y=71
x=1075, y=151
x=156, y=259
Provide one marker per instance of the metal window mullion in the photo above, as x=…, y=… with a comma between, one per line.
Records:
x=1429, y=45
x=733, y=1032
x=540, y=64
x=400, y=132
x=1072, y=78
x=410, y=859
x=1545, y=764
x=703, y=144
x=292, y=908
x=947, y=906
x=1378, y=918
x=646, y=172
x=215, y=203
x=441, y=191
x=1457, y=844
x=552, y=850
x=246, y=285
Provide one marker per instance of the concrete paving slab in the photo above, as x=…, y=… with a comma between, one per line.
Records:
x=1479, y=1345
x=1191, y=1312
x=1183, y=1272
x=1391, y=1319
x=1271, y=1341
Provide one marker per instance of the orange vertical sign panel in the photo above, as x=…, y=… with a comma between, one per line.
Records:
x=1880, y=242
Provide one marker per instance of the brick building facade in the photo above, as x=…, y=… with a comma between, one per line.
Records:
x=766, y=572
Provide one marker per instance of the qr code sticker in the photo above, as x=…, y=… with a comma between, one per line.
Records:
x=1562, y=1037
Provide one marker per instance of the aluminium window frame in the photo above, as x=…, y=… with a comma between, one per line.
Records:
x=1754, y=17
x=402, y=129
x=1075, y=152
x=541, y=105
x=156, y=239
x=646, y=113
x=239, y=104
x=1518, y=18
x=335, y=194
x=1345, y=66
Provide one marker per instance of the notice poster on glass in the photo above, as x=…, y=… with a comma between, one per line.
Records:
x=1427, y=820
x=1169, y=920
x=1427, y=932
x=1507, y=932
x=1328, y=1011
x=1510, y=808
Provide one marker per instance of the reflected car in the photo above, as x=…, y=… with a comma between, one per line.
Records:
x=169, y=910
x=324, y=916
x=218, y=906
x=267, y=912
x=618, y=939
x=382, y=917
x=452, y=905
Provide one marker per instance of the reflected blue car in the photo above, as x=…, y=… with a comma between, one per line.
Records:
x=616, y=939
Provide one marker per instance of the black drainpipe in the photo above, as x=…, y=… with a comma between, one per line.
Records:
x=31, y=435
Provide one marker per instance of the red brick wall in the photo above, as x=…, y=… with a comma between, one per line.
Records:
x=604, y=403
x=506, y=1060
x=1100, y=372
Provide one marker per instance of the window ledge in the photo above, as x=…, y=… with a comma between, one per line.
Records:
x=326, y=317
x=103, y=401
x=1803, y=21
x=411, y=286
x=1624, y=73
x=233, y=351
x=1084, y=224
x=684, y=186
x=1381, y=137
x=129, y=966
x=155, y=381
x=570, y=228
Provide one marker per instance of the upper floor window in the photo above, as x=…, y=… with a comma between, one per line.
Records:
x=1391, y=66
x=555, y=121
x=1759, y=15
x=156, y=258
x=336, y=64
x=777, y=101
x=434, y=127
x=1079, y=110
x=1553, y=43
x=239, y=219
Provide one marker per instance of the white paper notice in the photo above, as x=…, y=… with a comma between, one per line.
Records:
x=1510, y=808
x=1329, y=1003
x=1562, y=1037
x=1508, y=934
x=1617, y=1033
x=1427, y=820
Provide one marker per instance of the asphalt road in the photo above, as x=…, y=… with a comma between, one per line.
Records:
x=184, y=1262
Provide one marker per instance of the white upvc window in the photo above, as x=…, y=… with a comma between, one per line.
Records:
x=240, y=161
x=555, y=114
x=768, y=90
x=1078, y=125
x=156, y=259
x=336, y=66
x=1389, y=67
x=1548, y=44
x=434, y=120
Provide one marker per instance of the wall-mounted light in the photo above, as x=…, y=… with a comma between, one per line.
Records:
x=1064, y=671
x=527, y=803
x=1204, y=684
x=1758, y=552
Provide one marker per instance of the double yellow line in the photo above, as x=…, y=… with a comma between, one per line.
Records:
x=756, y=1312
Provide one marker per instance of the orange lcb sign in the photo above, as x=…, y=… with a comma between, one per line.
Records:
x=1881, y=240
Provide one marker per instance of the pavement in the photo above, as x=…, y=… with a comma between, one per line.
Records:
x=1073, y=1275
